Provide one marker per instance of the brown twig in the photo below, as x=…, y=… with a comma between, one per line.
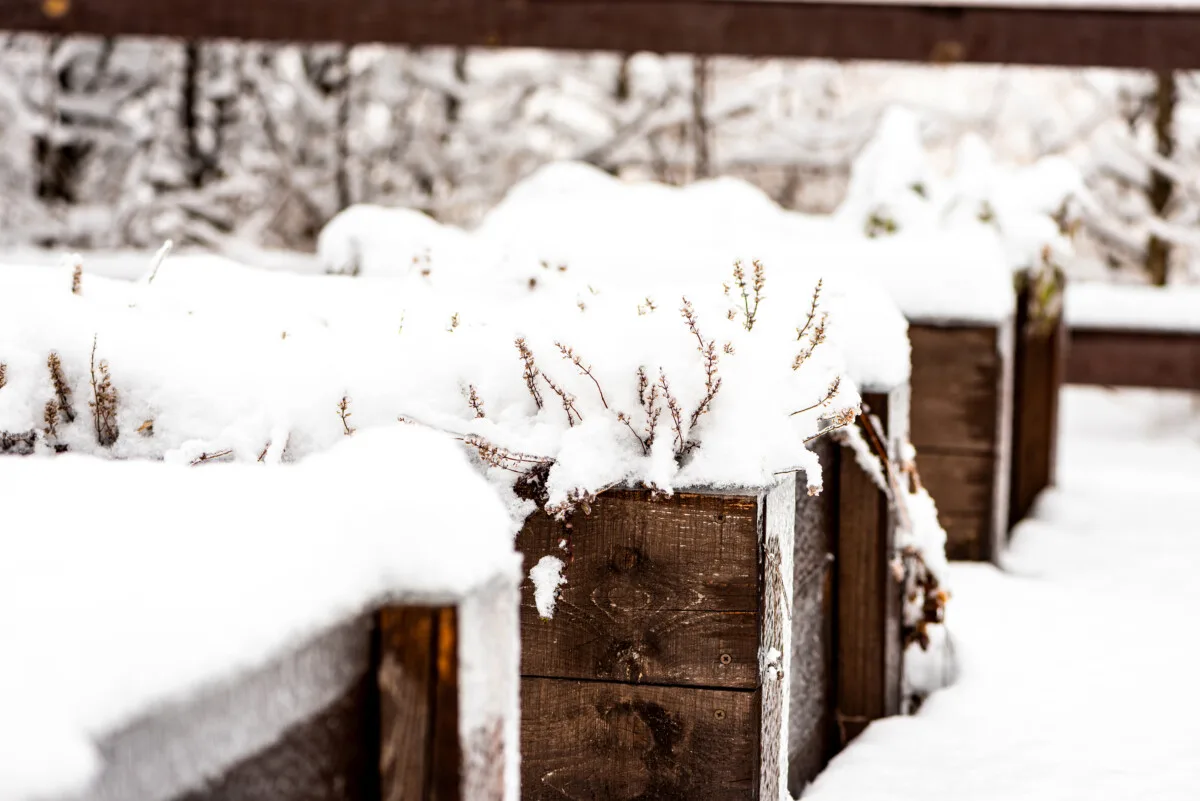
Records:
x=812, y=310
x=568, y=401
x=345, y=414
x=208, y=457
x=676, y=414
x=104, y=402
x=829, y=395
x=531, y=371
x=3, y=374
x=77, y=279
x=475, y=402
x=842, y=419
x=570, y=355
x=61, y=389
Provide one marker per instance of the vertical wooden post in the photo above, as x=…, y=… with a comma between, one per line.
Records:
x=1038, y=373
x=869, y=659
x=418, y=685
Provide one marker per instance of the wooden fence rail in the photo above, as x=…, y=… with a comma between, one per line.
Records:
x=1134, y=358
x=1069, y=35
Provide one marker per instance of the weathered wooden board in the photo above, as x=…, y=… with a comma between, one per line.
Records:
x=962, y=400
x=812, y=670
x=1124, y=358
x=955, y=377
x=1038, y=370
x=868, y=595
x=603, y=741
x=662, y=591
x=1076, y=36
x=419, y=754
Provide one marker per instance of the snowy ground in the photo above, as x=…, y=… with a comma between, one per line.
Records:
x=1078, y=677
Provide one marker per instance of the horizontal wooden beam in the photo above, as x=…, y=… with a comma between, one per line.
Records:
x=1160, y=360
x=1155, y=39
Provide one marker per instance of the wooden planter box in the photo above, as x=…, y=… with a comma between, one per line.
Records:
x=1039, y=371
x=961, y=419
x=370, y=709
x=651, y=679
x=850, y=538
x=663, y=673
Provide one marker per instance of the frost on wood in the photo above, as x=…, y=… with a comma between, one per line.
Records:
x=547, y=577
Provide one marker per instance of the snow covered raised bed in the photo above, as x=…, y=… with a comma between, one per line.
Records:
x=1134, y=336
x=258, y=631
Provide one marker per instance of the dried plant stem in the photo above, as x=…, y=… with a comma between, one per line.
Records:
x=61, y=389
x=104, y=402
x=531, y=371
x=208, y=457
x=812, y=310
x=829, y=395
x=3, y=374
x=77, y=279
x=570, y=355
x=568, y=401
x=345, y=414
x=676, y=414
x=159, y=258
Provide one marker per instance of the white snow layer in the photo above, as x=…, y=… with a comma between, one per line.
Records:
x=1076, y=666
x=125, y=585
x=1133, y=307
x=547, y=577
x=213, y=357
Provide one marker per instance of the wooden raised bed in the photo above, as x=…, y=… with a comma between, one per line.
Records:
x=1118, y=357
x=846, y=643
x=1039, y=371
x=663, y=671
x=383, y=697
x=651, y=680
x=962, y=390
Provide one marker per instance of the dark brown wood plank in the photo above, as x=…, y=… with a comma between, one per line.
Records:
x=1070, y=37
x=1161, y=360
x=956, y=378
x=419, y=756
x=868, y=599
x=967, y=535
x=604, y=741
x=659, y=591
x=1037, y=377
x=958, y=482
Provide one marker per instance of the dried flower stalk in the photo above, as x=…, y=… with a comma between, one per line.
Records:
x=77, y=279
x=570, y=355
x=475, y=402
x=531, y=371
x=103, y=403
x=61, y=389
x=345, y=414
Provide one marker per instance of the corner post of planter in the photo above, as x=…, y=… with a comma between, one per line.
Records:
x=777, y=510
x=1038, y=374
x=868, y=594
x=419, y=754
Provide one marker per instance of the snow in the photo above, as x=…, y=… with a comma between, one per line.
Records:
x=1075, y=666
x=220, y=357
x=170, y=578
x=1133, y=307
x=547, y=577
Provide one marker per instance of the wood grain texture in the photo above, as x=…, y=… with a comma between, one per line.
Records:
x=418, y=716
x=955, y=378
x=659, y=591
x=778, y=525
x=868, y=598
x=1117, y=358
x=1038, y=371
x=811, y=671
x=605, y=741
x=909, y=32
